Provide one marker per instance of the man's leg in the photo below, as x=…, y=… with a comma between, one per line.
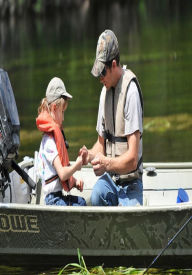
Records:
x=134, y=192
x=104, y=192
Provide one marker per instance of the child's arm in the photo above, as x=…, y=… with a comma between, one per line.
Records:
x=66, y=172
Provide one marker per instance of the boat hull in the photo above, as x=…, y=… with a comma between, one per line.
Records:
x=111, y=236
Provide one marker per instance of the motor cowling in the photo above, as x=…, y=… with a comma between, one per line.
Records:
x=9, y=122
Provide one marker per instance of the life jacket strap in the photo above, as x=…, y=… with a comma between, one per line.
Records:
x=114, y=139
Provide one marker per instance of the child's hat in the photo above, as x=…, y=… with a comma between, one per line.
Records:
x=56, y=89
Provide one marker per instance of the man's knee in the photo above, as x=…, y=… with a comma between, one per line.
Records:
x=103, y=194
x=96, y=195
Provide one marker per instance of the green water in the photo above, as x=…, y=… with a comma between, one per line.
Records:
x=155, y=42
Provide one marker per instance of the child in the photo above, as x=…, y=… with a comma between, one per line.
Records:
x=56, y=172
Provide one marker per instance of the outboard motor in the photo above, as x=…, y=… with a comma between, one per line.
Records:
x=9, y=122
x=9, y=135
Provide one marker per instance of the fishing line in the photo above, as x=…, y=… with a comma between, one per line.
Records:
x=170, y=241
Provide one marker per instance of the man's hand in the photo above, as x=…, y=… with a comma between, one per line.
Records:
x=100, y=163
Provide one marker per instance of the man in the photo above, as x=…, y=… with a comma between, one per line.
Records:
x=117, y=154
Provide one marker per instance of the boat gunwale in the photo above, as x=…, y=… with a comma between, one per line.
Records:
x=99, y=209
x=168, y=165
x=159, y=165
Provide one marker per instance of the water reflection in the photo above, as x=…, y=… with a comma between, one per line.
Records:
x=154, y=42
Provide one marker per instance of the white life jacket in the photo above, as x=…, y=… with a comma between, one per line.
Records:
x=115, y=139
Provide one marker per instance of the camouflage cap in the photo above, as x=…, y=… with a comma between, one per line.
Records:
x=107, y=49
x=56, y=89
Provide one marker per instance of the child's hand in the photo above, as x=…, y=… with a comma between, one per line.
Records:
x=79, y=184
x=79, y=163
x=72, y=182
x=85, y=154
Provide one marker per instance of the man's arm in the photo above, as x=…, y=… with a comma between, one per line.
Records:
x=98, y=147
x=123, y=164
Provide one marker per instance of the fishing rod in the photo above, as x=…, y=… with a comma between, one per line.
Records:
x=170, y=241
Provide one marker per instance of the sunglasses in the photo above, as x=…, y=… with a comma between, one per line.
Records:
x=103, y=73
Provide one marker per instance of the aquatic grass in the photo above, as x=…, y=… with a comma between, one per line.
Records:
x=81, y=268
x=99, y=270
